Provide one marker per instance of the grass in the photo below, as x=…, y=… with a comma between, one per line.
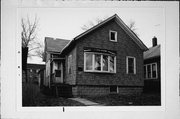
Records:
x=124, y=100
x=33, y=97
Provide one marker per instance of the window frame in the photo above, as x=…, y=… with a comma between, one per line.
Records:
x=127, y=65
x=93, y=63
x=111, y=31
x=146, y=71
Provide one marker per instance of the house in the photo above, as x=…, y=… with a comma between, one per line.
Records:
x=54, y=61
x=152, y=68
x=32, y=72
x=106, y=59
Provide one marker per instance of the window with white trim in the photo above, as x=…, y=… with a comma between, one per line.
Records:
x=130, y=65
x=150, y=71
x=69, y=64
x=113, y=36
x=99, y=62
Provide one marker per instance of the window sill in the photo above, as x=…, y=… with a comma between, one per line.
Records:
x=131, y=73
x=151, y=78
x=113, y=41
x=100, y=72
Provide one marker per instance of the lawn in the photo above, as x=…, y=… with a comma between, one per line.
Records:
x=33, y=97
x=128, y=100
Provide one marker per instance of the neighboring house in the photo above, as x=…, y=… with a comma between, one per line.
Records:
x=107, y=58
x=54, y=61
x=32, y=72
x=152, y=68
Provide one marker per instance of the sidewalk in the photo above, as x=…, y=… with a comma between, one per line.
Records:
x=86, y=102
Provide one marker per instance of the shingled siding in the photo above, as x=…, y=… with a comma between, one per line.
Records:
x=124, y=46
x=71, y=78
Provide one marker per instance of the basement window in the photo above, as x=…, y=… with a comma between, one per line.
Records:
x=113, y=36
x=113, y=89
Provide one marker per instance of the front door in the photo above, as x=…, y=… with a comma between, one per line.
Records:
x=59, y=73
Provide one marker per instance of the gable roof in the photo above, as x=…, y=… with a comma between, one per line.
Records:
x=152, y=52
x=55, y=45
x=120, y=23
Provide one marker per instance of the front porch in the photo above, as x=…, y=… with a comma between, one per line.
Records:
x=57, y=85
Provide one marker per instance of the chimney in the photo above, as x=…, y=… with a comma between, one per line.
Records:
x=154, y=41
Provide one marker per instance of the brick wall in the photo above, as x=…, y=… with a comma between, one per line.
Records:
x=130, y=90
x=104, y=90
x=124, y=46
x=92, y=90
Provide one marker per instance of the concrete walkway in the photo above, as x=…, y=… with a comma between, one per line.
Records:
x=86, y=102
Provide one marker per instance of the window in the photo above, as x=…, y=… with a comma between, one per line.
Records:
x=69, y=64
x=98, y=62
x=89, y=61
x=105, y=63
x=113, y=36
x=111, y=66
x=150, y=71
x=97, y=65
x=130, y=65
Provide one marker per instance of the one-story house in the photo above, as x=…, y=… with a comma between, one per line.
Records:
x=152, y=68
x=107, y=58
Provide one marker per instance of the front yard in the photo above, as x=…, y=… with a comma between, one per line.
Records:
x=126, y=100
x=33, y=97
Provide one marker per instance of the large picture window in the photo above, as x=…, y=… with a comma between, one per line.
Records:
x=130, y=65
x=98, y=62
x=150, y=71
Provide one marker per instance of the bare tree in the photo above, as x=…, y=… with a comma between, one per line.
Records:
x=39, y=52
x=132, y=26
x=28, y=36
x=90, y=24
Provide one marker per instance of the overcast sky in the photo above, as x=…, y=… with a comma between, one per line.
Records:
x=66, y=23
